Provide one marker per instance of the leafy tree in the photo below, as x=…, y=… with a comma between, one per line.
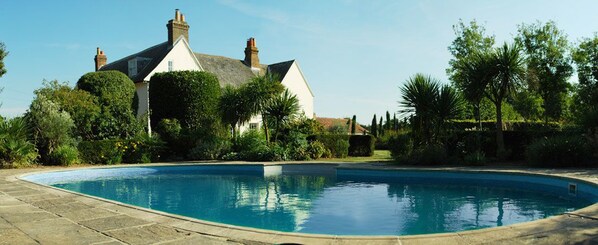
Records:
x=470, y=41
x=527, y=104
x=3, y=54
x=548, y=65
x=507, y=74
x=114, y=92
x=51, y=126
x=281, y=110
x=585, y=56
x=80, y=105
x=353, y=124
x=374, y=127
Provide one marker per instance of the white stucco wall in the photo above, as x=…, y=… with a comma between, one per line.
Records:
x=297, y=84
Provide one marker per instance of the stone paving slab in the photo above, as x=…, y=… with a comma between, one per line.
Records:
x=28, y=217
x=148, y=234
x=88, y=214
x=197, y=239
x=60, y=231
x=15, y=236
x=114, y=222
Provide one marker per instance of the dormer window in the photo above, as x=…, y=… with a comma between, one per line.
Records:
x=137, y=64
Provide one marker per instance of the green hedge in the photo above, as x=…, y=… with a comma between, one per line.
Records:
x=560, y=151
x=191, y=97
x=141, y=150
x=462, y=125
x=361, y=145
x=337, y=144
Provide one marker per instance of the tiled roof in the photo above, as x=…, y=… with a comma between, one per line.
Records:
x=228, y=70
x=155, y=53
x=328, y=123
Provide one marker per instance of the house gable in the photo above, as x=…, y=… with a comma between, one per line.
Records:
x=295, y=81
x=178, y=58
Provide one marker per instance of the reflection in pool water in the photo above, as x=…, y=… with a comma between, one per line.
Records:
x=329, y=203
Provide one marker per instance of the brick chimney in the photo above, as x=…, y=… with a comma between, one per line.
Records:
x=177, y=27
x=100, y=59
x=251, y=58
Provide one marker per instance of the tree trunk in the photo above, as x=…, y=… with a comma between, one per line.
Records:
x=266, y=131
x=500, y=141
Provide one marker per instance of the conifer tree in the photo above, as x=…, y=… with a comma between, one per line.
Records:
x=381, y=127
x=395, y=123
x=353, y=124
x=388, y=122
x=374, y=127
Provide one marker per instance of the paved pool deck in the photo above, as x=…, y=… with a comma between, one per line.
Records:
x=36, y=214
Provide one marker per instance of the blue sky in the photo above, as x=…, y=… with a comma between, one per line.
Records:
x=355, y=54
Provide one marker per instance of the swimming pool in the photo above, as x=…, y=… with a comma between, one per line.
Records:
x=323, y=199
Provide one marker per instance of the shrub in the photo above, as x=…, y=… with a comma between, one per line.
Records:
x=431, y=154
x=559, y=151
x=101, y=151
x=64, y=155
x=361, y=145
x=188, y=96
x=141, y=149
x=316, y=149
x=81, y=106
x=476, y=158
x=252, y=146
x=209, y=148
x=15, y=148
x=51, y=127
x=400, y=146
x=337, y=144
x=115, y=94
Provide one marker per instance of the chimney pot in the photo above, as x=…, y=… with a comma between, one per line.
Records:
x=100, y=59
x=251, y=54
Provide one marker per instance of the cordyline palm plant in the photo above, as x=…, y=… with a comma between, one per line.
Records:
x=507, y=71
x=431, y=104
x=15, y=148
x=259, y=93
x=281, y=110
x=233, y=108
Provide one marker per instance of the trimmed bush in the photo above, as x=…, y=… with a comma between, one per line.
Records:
x=361, y=145
x=316, y=149
x=115, y=94
x=337, y=144
x=141, y=149
x=462, y=125
x=191, y=97
x=560, y=151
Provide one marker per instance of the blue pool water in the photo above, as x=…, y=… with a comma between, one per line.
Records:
x=324, y=200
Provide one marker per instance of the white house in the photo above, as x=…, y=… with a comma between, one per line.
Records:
x=176, y=55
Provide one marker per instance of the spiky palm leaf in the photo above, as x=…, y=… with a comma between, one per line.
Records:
x=281, y=110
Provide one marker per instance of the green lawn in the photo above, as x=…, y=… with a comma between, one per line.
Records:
x=379, y=156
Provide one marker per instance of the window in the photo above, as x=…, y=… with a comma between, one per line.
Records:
x=253, y=125
x=170, y=65
x=132, y=67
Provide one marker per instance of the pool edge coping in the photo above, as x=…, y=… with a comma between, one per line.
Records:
x=268, y=236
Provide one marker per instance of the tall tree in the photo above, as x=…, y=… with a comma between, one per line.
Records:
x=548, y=65
x=353, y=124
x=374, y=127
x=585, y=56
x=3, y=54
x=508, y=73
x=395, y=123
x=469, y=42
